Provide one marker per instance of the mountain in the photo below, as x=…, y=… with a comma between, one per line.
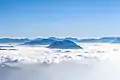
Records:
x=65, y=44
x=117, y=40
x=108, y=39
x=38, y=39
x=88, y=40
x=9, y=40
x=56, y=39
x=101, y=40
x=40, y=42
x=72, y=39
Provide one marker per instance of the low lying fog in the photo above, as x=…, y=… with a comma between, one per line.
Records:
x=95, y=62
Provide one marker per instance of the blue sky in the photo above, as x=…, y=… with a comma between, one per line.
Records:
x=61, y=18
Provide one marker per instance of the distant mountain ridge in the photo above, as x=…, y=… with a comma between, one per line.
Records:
x=117, y=40
x=47, y=41
x=101, y=40
x=9, y=40
x=40, y=42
